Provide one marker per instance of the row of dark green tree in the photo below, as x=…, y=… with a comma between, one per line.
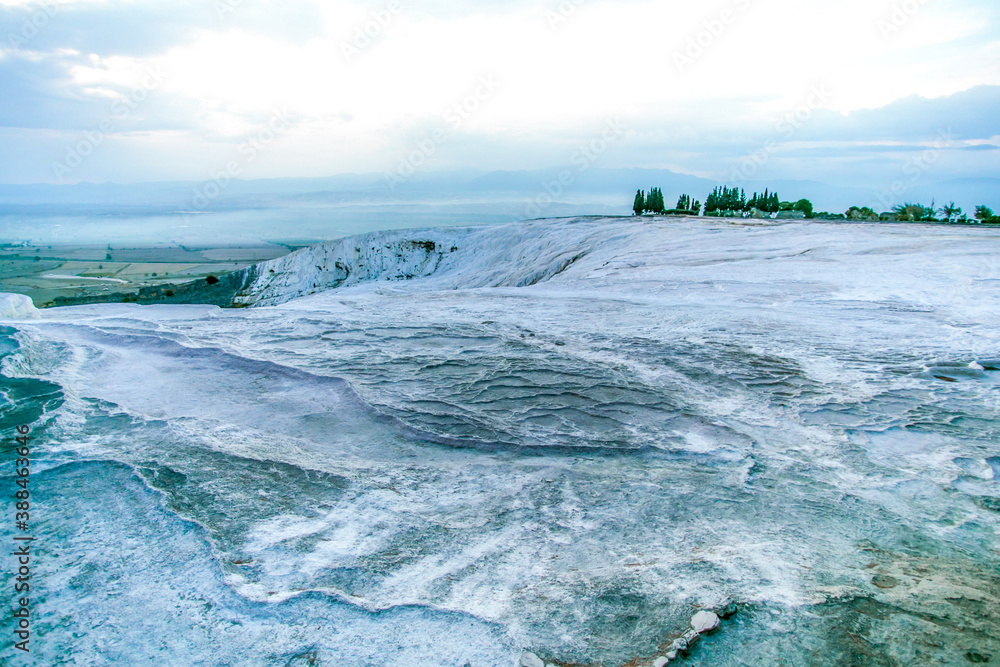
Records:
x=649, y=203
x=653, y=202
x=725, y=201
x=722, y=201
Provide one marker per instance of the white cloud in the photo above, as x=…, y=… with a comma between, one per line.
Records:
x=559, y=78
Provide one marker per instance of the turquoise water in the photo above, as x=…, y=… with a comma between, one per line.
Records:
x=122, y=573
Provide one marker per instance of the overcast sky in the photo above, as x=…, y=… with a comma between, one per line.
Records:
x=844, y=91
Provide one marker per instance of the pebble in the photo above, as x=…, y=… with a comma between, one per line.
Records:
x=529, y=659
x=660, y=662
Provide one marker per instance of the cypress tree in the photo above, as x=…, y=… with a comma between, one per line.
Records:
x=639, y=205
x=717, y=201
x=655, y=203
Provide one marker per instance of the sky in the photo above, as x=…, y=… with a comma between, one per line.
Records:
x=849, y=92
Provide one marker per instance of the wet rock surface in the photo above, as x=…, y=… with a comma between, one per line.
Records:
x=571, y=439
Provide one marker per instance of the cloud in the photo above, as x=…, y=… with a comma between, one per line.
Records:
x=971, y=114
x=147, y=28
x=228, y=64
x=38, y=93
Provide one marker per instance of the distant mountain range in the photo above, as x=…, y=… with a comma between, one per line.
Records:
x=553, y=191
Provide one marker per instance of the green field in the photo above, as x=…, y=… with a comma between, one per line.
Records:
x=45, y=272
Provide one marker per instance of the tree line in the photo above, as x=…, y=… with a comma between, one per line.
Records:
x=912, y=212
x=725, y=201
x=653, y=202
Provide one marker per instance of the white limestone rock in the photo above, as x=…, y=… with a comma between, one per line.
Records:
x=704, y=621
x=529, y=659
x=17, y=307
